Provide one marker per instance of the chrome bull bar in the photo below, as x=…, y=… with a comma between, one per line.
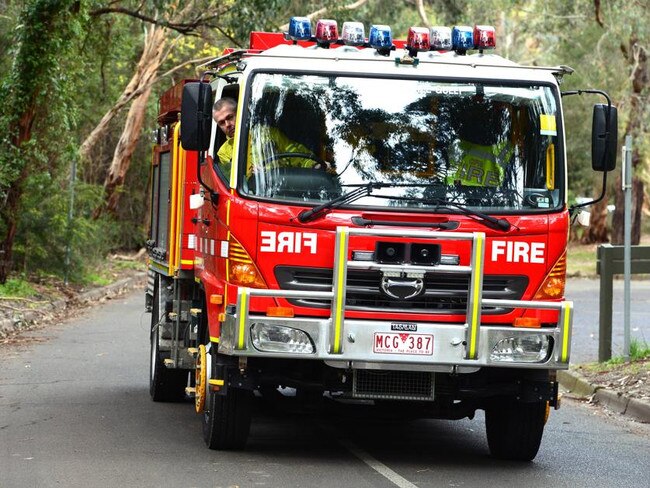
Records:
x=336, y=322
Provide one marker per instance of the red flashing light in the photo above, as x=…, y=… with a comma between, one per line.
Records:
x=484, y=37
x=327, y=31
x=418, y=39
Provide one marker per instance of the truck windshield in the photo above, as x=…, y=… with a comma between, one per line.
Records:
x=489, y=146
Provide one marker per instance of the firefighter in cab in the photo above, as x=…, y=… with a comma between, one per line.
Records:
x=482, y=150
x=269, y=143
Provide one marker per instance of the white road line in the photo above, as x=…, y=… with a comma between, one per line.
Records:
x=380, y=467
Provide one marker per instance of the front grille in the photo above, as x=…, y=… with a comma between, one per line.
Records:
x=392, y=385
x=445, y=293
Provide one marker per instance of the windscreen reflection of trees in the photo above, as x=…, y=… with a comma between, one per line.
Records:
x=372, y=139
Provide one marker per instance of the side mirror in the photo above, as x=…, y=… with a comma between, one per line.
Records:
x=604, y=137
x=196, y=116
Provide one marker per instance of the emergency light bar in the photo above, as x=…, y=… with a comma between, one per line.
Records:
x=460, y=38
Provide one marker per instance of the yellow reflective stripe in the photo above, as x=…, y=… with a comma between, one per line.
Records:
x=214, y=339
x=228, y=261
x=172, y=210
x=566, y=334
x=242, y=323
x=475, y=293
x=550, y=167
x=187, y=261
x=228, y=212
x=216, y=382
x=179, y=205
x=339, y=293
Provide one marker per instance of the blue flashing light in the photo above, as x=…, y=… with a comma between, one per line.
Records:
x=299, y=29
x=380, y=37
x=462, y=37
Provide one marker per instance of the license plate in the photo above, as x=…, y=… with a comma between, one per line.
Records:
x=403, y=343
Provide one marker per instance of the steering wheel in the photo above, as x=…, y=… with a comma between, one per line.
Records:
x=318, y=162
x=533, y=199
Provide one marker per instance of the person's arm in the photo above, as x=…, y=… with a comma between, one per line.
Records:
x=225, y=157
x=286, y=145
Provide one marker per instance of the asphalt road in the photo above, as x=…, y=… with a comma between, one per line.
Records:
x=586, y=297
x=75, y=412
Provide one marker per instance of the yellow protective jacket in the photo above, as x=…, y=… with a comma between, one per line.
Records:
x=264, y=143
x=477, y=165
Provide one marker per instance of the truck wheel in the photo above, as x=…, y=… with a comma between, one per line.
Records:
x=514, y=429
x=227, y=418
x=165, y=385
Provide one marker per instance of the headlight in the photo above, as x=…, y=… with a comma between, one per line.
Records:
x=525, y=348
x=278, y=338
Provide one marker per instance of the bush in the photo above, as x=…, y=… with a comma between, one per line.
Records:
x=47, y=243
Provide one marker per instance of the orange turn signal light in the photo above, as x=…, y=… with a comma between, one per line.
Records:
x=279, y=312
x=527, y=322
x=216, y=299
x=553, y=286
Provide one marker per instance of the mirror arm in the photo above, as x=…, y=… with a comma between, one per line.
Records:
x=214, y=74
x=609, y=107
x=575, y=207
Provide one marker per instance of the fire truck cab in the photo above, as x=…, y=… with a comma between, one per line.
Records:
x=389, y=224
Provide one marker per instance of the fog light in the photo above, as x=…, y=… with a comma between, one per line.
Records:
x=524, y=348
x=278, y=338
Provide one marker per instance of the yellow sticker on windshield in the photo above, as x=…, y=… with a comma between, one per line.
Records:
x=547, y=125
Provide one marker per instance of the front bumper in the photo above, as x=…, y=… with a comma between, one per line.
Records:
x=356, y=352
x=348, y=343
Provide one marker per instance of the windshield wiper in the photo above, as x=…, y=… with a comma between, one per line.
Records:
x=366, y=189
x=361, y=191
x=488, y=220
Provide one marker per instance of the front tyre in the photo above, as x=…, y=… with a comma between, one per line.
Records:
x=227, y=418
x=514, y=429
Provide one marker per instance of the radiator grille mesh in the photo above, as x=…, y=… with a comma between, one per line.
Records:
x=393, y=385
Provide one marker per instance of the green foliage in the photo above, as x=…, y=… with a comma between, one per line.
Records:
x=96, y=279
x=68, y=69
x=639, y=350
x=45, y=233
x=17, y=287
x=35, y=91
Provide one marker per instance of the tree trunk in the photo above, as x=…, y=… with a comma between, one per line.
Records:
x=618, y=229
x=124, y=151
x=637, y=56
x=150, y=61
x=9, y=216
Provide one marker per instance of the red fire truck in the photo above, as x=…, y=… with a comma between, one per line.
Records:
x=391, y=227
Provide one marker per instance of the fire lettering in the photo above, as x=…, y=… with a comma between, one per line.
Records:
x=288, y=242
x=518, y=252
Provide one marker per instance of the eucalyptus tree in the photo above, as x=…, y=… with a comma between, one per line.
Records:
x=34, y=91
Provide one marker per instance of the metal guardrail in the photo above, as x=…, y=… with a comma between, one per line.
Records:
x=611, y=262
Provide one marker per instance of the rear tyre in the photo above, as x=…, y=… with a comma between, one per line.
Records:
x=514, y=429
x=165, y=385
x=227, y=418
